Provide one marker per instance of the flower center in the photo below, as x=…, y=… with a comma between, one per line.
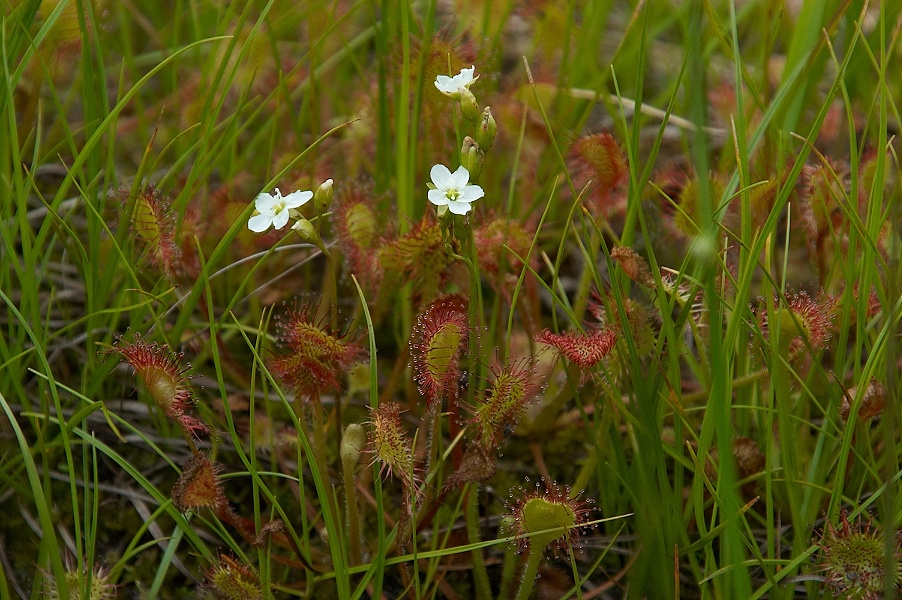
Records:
x=452, y=194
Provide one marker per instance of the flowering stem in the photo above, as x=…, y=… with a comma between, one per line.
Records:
x=332, y=282
x=480, y=575
x=476, y=309
x=475, y=312
x=352, y=443
x=319, y=439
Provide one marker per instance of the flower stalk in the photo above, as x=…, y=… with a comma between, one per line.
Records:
x=353, y=443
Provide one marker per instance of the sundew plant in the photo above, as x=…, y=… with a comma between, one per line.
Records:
x=450, y=299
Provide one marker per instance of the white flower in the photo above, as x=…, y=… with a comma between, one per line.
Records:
x=451, y=86
x=274, y=210
x=451, y=189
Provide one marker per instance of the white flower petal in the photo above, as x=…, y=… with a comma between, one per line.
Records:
x=296, y=199
x=466, y=76
x=451, y=86
x=437, y=197
x=460, y=178
x=280, y=220
x=471, y=193
x=452, y=189
x=459, y=208
x=445, y=84
x=259, y=223
x=441, y=176
x=265, y=203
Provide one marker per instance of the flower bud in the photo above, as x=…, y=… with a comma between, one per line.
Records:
x=353, y=443
x=468, y=105
x=323, y=195
x=307, y=232
x=485, y=134
x=472, y=157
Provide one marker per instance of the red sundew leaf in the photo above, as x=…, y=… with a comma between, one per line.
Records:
x=192, y=425
x=511, y=390
x=307, y=376
x=166, y=381
x=585, y=350
x=230, y=579
x=315, y=358
x=389, y=442
x=601, y=153
x=802, y=319
x=499, y=241
x=419, y=256
x=199, y=486
x=855, y=559
x=153, y=226
x=635, y=267
x=357, y=225
x=438, y=338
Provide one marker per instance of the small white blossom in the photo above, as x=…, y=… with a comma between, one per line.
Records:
x=451, y=86
x=275, y=209
x=451, y=189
